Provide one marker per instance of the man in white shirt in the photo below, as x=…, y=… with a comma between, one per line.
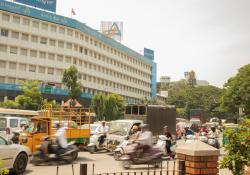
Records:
x=103, y=132
x=61, y=136
x=144, y=139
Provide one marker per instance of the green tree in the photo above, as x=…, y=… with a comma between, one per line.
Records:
x=70, y=79
x=237, y=149
x=98, y=105
x=9, y=104
x=114, y=107
x=53, y=103
x=237, y=92
x=31, y=98
x=2, y=170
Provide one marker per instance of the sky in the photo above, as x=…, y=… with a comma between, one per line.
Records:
x=211, y=37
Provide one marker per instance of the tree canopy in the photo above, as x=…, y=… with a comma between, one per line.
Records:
x=70, y=79
x=108, y=107
x=237, y=92
x=186, y=97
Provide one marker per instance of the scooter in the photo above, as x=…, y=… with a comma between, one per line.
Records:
x=161, y=144
x=120, y=149
x=94, y=145
x=213, y=141
x=152, y=156
x=67, y=155
x=203, y=137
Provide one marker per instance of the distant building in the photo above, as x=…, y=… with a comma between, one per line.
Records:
x=190, y=77
x=202, y=83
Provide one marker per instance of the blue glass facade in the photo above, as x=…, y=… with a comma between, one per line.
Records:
x=69, y=22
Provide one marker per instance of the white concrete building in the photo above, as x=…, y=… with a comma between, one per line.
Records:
x=38, y=45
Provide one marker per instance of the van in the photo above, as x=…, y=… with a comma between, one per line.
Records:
x=11, y=124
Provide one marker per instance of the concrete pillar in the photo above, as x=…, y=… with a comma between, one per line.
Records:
x=5, y=98
x=199, y=157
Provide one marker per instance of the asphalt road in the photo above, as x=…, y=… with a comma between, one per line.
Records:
x=103, y=163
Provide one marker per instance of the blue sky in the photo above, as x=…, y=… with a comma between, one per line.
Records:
x=210, y=37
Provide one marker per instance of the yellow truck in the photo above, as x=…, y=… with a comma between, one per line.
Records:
x=44, y=125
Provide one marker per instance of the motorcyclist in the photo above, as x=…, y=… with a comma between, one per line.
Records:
x=204, y=129
x=23, y=125
x=134, y=133
x=188, y=131
x=103, y=132
x=213, y=132
x=169, y=139
x=145, y=139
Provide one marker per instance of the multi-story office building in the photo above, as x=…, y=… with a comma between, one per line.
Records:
x=39, y=45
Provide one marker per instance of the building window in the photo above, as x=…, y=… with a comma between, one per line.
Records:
x=43, y=40
x=22, y=67
x=61, y=30
x=2, y=64
x=59, y=72
x=51, y=57
x=69, y=46
x=4, y=32
x=45, y=26
x=2, y=79
x=70, y=32
x=87, y=39
x=32, y=68
x=59, y=58
x=16, y=19
x=25, y=37
x=33, y=53
x=53, y=28
x=51, y=71
x=52, y=42
x=61, y=44
x=76, y=35
x=35, y=24
x=75, y=47
x=41, y=69
x=86, y=51
x=26, y=22
x=42, y=55
x=3, y=48
x=24, y=52
x=13, y=50
x=12, y=65
x=34, y=38
x=74, y=61
x=68, y=60
x=15, y=35
x=11, y=80
x=5, y=17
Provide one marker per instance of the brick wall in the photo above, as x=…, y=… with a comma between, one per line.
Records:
x=206, y=165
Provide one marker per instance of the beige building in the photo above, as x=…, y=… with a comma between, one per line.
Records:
x=38, y=45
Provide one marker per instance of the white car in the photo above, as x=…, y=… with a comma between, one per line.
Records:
x=12, y=156
x=94, y=128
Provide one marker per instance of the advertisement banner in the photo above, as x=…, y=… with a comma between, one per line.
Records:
x=49, y=5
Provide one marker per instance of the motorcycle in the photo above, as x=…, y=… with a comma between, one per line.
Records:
x=213, y=141
x=68, y=155
x=161, y=144
x=120, y=149
x=94, y=145
x=203, y=137
x=15, y=137
x=152, y=156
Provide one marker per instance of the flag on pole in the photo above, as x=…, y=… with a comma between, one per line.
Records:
x=73, y=12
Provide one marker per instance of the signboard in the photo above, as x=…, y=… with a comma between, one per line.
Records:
x=49, y=5
x=113, y=30
x=149, y=53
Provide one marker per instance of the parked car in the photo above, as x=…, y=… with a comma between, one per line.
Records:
x=94, y=128
x=12, y=156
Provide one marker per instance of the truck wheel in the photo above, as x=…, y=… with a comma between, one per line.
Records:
x=74, y=155
x=117, y=155
x=20, y=163
x=92, y=149
x=126, y=164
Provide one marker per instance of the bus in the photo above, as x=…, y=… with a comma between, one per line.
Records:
x=11, y=119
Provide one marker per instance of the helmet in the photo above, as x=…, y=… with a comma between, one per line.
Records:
x=23, y=122
x=135, y=127
x=144, y=126
x=165, y=127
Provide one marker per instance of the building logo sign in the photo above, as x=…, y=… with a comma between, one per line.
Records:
x=49, y=5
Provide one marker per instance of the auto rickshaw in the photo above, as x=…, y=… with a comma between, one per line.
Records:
x=228, y=126
x=44, y=125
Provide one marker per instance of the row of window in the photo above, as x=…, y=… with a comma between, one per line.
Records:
x=35, y=24
x=60, y=44
x=66, y=59
x=59, y=72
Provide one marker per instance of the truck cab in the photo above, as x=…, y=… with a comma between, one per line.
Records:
x=44, y=125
